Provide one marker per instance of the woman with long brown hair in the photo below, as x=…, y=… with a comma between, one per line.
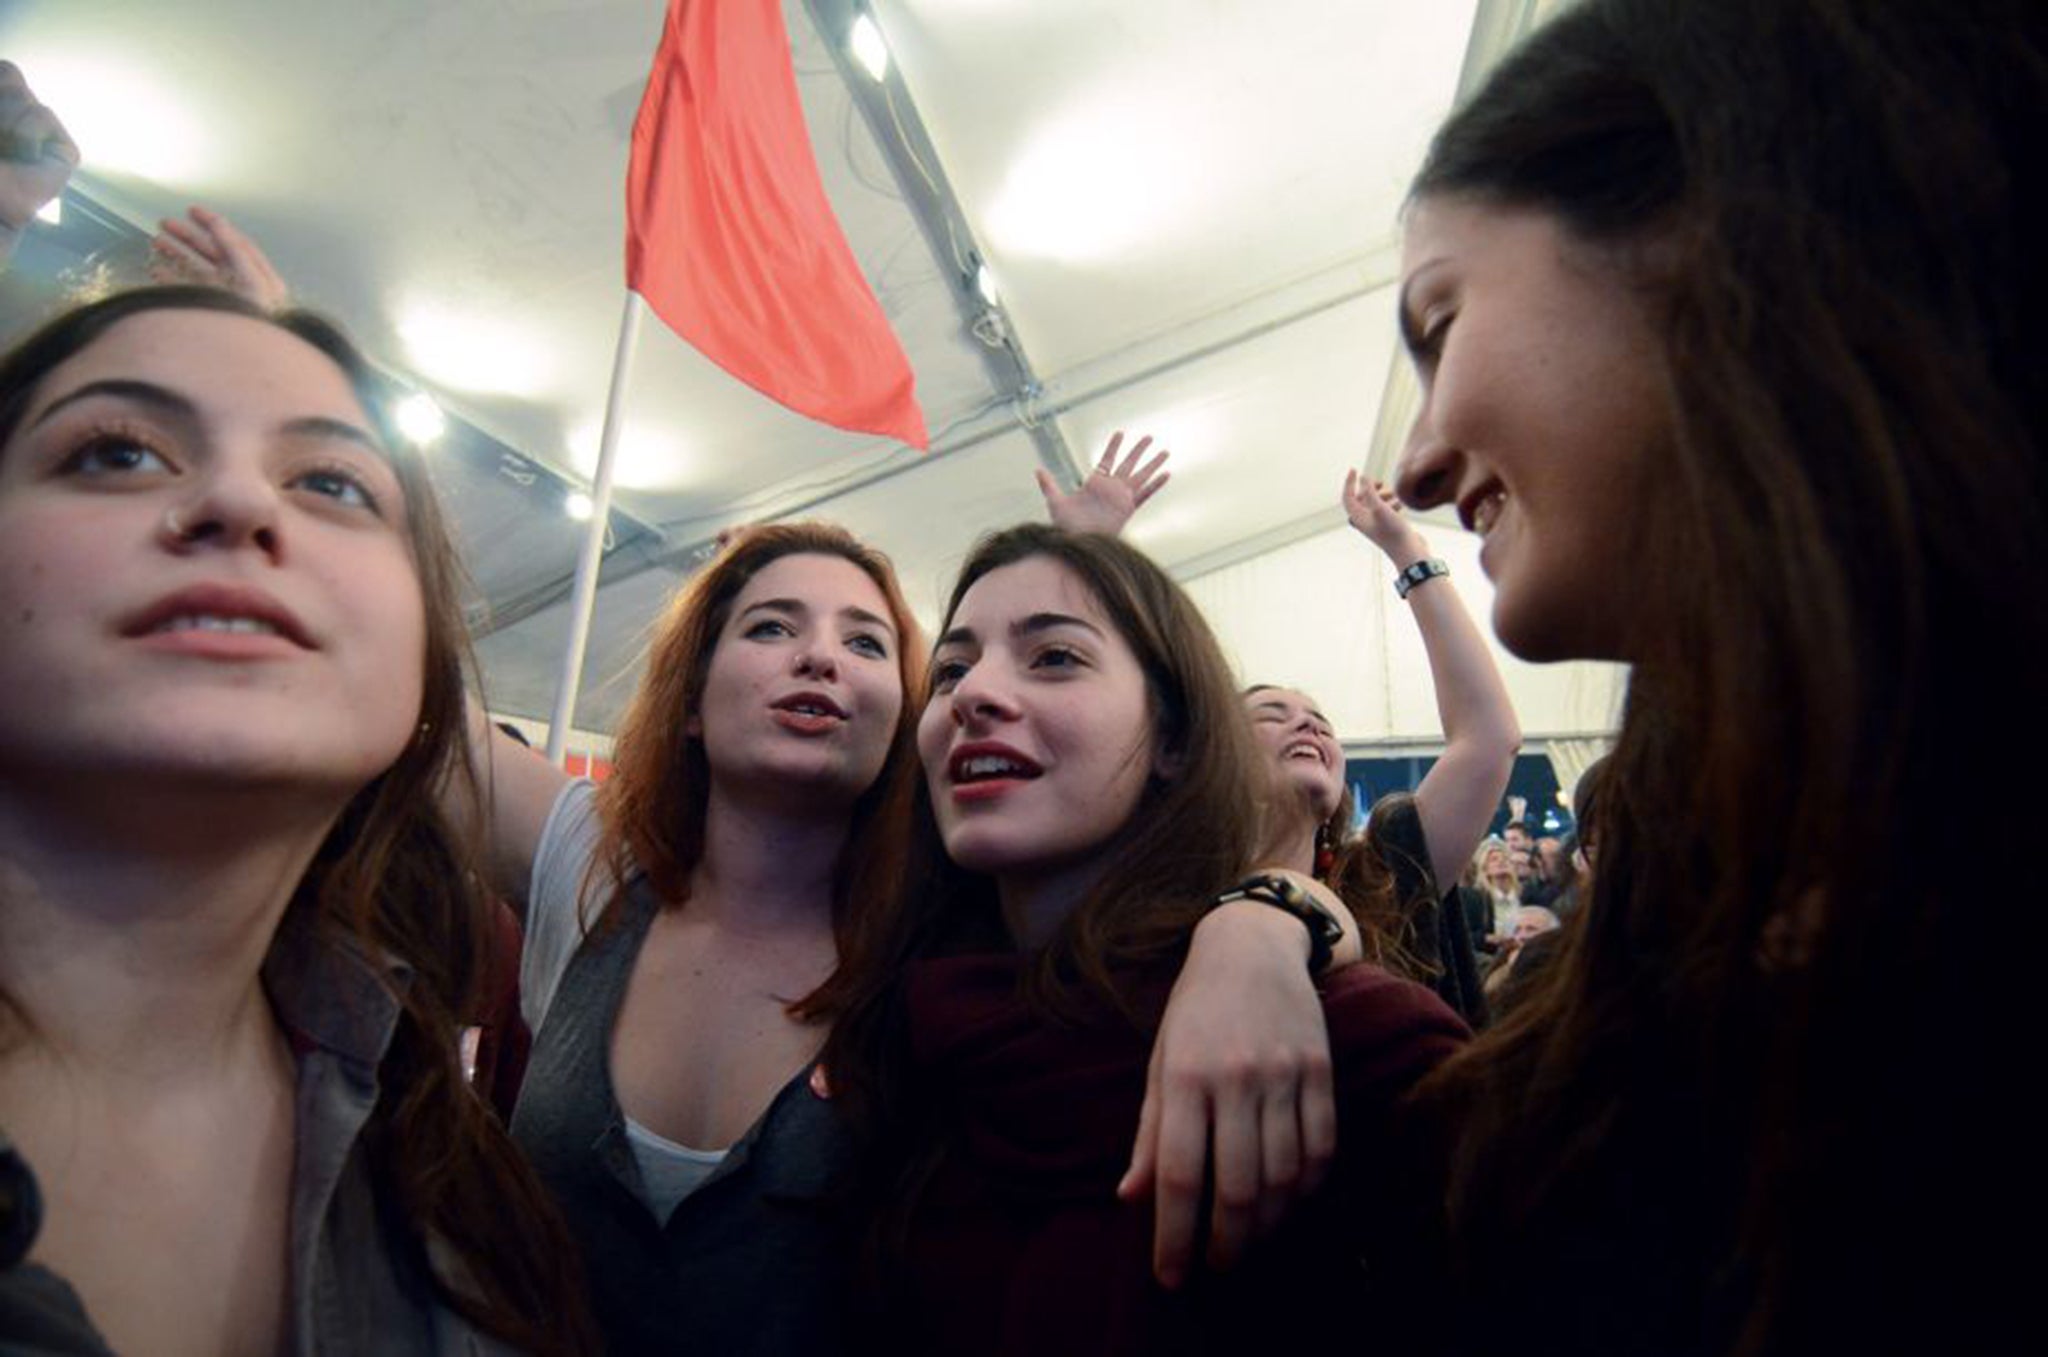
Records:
x=1090, y=786
x=1725, y=315
x=1400, y=876
x=234, y=932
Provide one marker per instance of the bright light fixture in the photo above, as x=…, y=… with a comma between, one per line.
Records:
x=868, y=48
x=52, y=212
x=420, y=418
x=985, y=284
x=130, y=119
x=579, y=506
x=1104, y=180
x=473, y=352
x=646, y=459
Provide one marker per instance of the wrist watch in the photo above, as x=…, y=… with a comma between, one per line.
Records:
x=1422, y=572
x=1268, y=888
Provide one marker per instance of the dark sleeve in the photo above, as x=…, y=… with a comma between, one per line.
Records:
x=1385, y=1035
x=1460, y=962
x=1406, y=851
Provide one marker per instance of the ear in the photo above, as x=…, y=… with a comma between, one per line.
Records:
x=693, y=726
x=1168, y=764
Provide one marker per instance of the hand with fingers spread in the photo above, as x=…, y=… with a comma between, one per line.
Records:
x=209, y=250
x=37, y=156
x=1375, y=510
x=1241, y=1063
x=1113, y=491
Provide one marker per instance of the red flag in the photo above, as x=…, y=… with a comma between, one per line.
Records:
x=730, y=237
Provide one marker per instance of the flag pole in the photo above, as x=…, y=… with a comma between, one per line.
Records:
x=571, y=677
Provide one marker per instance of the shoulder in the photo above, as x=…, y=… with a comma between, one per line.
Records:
x=1386, y=1031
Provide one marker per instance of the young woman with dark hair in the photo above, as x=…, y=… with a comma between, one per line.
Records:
x=696, y=925
x=235, y=935
x=1397, y=876
x=1090, y=786
x=1726, y=317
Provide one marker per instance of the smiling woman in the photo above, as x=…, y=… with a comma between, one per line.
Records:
x=233, y=932
x=1090, y=787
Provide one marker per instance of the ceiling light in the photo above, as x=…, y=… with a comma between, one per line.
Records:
x=646, y=458
x=985, y=284
x=1100, y=181
x=130, y=120
x=867, y=46
x=579, y=506
x=420, y=418
x=466, y=351
x=51, y=212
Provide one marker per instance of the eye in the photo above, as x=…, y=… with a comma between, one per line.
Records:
x=107, y=455
x=340, y=485
x=868, y=644
x=946, y=673
x=1057, y=658
x=768, y=628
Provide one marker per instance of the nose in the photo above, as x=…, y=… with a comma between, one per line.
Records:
x=228, y=507
x=981, y=696
x=1428, y=472
x=814, y=660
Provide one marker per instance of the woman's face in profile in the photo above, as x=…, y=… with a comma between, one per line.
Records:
x=205, y=569
x=1543, y=399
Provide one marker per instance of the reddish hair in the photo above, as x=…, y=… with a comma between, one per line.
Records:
x=655, y=803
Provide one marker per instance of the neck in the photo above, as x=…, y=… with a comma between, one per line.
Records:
x=1292, y=843
x=132, y=937
x=1035, y=906
x=767, y=868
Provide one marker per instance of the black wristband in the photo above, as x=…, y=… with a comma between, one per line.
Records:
x=1324, y=931
x=1422, y=572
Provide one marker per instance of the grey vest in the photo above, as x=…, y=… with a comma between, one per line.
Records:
x=752, y=1262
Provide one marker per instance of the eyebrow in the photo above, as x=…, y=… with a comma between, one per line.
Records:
x=170, y=403
x=1028, y=626
x=800, y=608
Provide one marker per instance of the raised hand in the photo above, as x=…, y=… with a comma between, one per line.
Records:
x=1375, y=511
x=1113, y=491
x=207, y=249
x=36, y=155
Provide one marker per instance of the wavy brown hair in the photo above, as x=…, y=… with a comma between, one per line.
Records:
x=394, y=879
x=1824, y=207
x=654, y=804
x=1190, y=836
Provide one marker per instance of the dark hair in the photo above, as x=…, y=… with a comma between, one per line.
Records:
x=1825, y=207
x=1191, y=835
x=1586, y=796
x=655, y=802
x=393, y=878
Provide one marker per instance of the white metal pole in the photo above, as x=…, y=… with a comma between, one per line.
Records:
x=587, y=564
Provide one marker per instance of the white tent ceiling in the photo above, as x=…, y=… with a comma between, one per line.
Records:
x=1189, y=208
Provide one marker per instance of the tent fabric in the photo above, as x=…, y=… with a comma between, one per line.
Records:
x=731, y=239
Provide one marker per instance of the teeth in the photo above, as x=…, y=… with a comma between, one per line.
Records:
x=1298, y=751
x=1487, y=511
x=233, y=626
x=989, y=767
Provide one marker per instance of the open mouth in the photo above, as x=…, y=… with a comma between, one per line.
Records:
x=1481, y=514
x=1303, y=749
x=219, y=610
x=969, y=766
x=813, y=705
